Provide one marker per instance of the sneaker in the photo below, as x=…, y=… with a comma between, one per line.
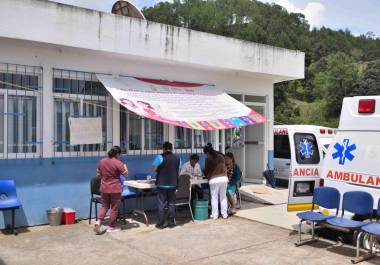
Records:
x=213, y=217
x=113, y=229
x=97, y=228
x=171, y=226
x=160, y=226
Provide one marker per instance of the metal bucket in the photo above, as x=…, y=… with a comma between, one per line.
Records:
x=54, y=216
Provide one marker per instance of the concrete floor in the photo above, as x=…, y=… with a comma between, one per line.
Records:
x=233, y=241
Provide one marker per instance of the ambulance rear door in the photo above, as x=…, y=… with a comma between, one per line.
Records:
x=282, y=155
x=306, y=161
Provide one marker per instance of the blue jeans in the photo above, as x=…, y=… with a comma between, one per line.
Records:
x=166, y=198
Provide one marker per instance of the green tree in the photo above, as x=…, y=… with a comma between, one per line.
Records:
x=370, y=82
x=337, y=81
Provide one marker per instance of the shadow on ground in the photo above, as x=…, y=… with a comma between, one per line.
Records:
x=19, y=230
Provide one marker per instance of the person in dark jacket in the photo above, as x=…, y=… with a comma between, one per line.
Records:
x=234, y=175
x=167, y=166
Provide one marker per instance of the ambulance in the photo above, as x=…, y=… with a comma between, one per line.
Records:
x=352, y=161
x=284, y=138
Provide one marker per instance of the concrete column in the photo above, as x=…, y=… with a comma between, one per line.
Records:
x=169, y=133
x=270, y=107
x=115, y=122
x=215, y=141
x=48, y=112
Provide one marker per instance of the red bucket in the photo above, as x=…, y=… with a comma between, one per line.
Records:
x=68, y=216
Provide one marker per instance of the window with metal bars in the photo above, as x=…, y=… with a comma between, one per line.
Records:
x=80, y=94
x=192, y=140
x=21, y=111
x=139, y=135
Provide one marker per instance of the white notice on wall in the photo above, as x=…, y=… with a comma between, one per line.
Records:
x=85, y=130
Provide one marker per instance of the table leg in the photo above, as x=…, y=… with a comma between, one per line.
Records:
x=139, y=209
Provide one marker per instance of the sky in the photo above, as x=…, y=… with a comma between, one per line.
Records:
x=359, y=16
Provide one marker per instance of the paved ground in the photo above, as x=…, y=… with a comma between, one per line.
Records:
x=233, y=241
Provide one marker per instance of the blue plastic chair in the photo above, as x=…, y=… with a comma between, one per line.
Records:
x=326, y=197
x=373, y=229
x=126, y=194
x=356, y=202
x=9, y=200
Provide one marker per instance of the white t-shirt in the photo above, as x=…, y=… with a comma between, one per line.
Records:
x=195, y=171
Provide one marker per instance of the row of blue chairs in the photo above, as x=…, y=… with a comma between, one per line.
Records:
x=356, y=202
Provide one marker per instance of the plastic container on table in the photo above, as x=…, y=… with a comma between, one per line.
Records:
x=68, y=216
x=200, y=209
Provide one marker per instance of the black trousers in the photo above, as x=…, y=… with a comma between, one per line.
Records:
x=196, y=193
x=166, y=198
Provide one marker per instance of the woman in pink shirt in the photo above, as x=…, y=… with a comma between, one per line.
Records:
x=109, y=170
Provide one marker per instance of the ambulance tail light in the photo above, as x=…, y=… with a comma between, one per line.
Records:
x=367, y=106
x=330, y=131
x=321, y=183
x=322, y=131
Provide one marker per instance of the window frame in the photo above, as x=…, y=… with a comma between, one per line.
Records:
x=32, y=92
x=194, y=148
x=142, y=150
x=315, y=144
x=277, y=150
x=82, y=99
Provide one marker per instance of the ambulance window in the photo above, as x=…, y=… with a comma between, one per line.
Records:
x=281, y=146
x=306, y=147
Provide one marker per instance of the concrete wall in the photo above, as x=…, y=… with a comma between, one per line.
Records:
x=49, y=22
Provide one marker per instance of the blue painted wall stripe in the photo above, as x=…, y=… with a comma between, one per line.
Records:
x=60, y=182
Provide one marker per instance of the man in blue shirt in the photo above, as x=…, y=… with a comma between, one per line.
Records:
x=167, y=166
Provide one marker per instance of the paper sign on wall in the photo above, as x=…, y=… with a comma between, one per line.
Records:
x=85, y=130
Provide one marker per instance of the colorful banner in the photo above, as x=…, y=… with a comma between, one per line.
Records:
x=195, y=106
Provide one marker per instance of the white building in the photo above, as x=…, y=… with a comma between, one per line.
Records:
x=55, y=51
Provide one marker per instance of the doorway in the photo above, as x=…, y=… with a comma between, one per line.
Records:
x=254, y=149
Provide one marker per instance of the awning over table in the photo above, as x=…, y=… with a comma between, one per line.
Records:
x=195, y=106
